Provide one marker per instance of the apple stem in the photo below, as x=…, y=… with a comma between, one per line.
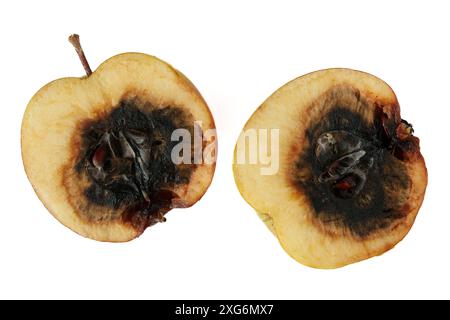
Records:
x=74, y=39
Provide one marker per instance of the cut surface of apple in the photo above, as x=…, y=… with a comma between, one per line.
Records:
x=97, y=149
x=350, y=179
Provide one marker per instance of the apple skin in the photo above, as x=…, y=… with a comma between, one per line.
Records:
x=50, y=133
x=287, y=211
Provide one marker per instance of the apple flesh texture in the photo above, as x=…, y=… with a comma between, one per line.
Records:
x=286, y=207
x=51, y=136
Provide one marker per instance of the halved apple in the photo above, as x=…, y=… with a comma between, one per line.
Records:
x=351, y=177
x=97, y=149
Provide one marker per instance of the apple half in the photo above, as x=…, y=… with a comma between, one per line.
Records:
x=97, y=149
x=350, y=179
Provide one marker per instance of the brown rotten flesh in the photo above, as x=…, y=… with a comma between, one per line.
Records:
x=97, y=149
x=351, y=177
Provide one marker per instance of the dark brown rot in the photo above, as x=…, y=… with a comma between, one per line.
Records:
x=127, y=157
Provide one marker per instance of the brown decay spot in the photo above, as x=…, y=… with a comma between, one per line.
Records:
x=122, y=167
x=357, y=182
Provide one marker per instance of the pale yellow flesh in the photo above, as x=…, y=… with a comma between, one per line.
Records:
x=286, y=211
x=51, y=118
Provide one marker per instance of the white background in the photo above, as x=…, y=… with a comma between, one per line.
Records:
x=237, y=53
